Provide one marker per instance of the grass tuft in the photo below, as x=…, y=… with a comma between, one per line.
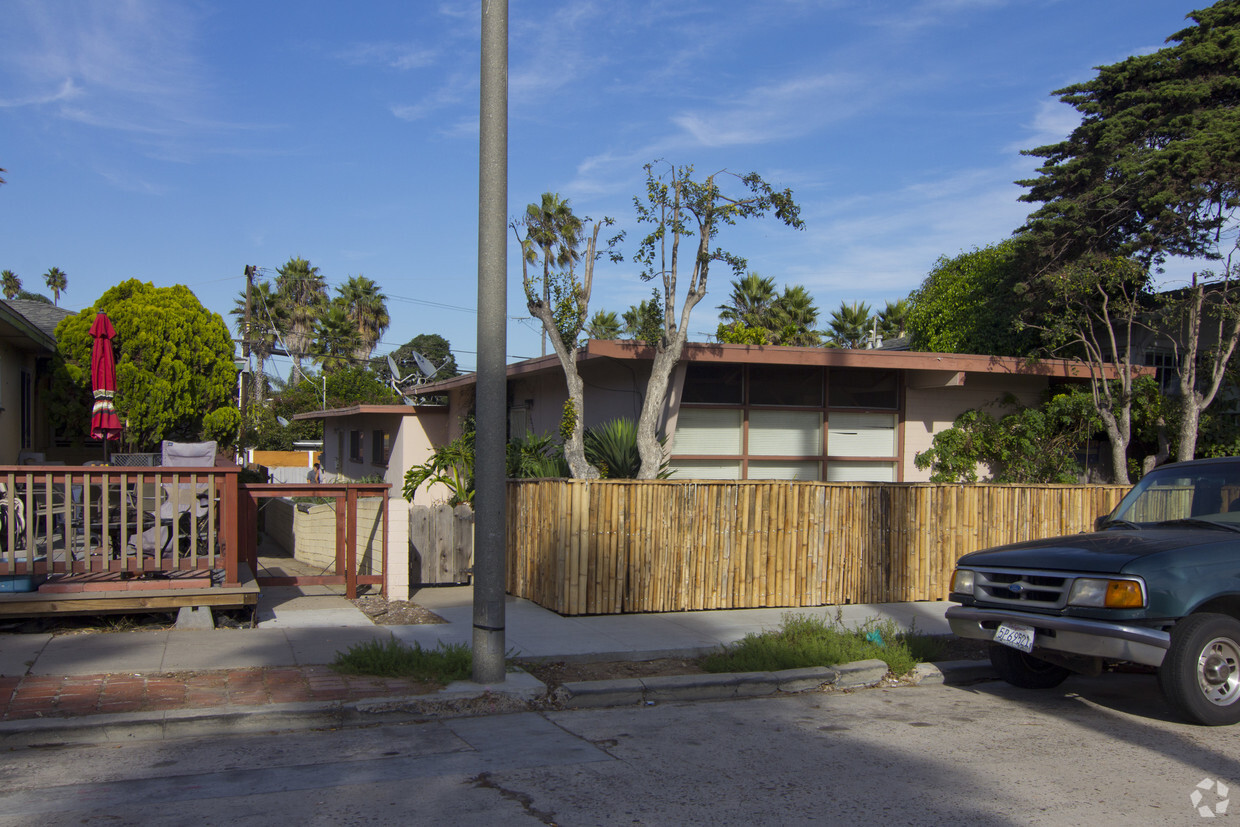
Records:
x=803, y=640
x=393, y=659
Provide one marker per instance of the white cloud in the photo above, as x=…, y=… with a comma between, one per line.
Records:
x=67, y=91
x=1052, y=122
x=781, y=111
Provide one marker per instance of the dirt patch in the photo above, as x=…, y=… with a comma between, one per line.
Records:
x=386, y=612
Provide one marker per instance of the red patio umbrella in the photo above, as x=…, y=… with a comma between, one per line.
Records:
x=104, y=423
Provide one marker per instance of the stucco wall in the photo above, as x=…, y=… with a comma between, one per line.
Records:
x=413, y=440
x=930, y=410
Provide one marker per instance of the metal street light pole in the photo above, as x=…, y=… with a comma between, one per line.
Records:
x=489, y=472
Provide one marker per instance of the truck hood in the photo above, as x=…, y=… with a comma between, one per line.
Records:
x=1100, y=551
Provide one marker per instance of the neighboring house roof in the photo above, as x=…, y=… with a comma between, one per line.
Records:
x=354, y=410
x=956, y=363
x=30, y=325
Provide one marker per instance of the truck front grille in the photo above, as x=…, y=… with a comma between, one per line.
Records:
x=1022, y=588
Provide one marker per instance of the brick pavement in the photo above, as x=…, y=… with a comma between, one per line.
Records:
x=38, y=696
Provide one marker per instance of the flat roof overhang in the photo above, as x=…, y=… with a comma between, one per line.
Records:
x=955, y=364
x=389, y=410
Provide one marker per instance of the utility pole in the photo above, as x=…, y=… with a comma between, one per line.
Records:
x=245, y=334
x=245, y=352
x=492, y=389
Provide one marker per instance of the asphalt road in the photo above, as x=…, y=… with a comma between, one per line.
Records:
x=1095, y=751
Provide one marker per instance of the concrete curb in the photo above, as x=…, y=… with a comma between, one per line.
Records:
x=518, y=692
x=459, y=697
x=713, y=687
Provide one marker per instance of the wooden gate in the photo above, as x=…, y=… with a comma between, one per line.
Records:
x=346, y=496
x=441, y=540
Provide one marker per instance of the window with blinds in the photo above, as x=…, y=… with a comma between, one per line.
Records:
x=705, y=469
x=705, y=431
x=773, y=422
x=785, y=433
x=861, y=434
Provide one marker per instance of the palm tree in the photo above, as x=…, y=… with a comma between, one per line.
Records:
x=367, y=307
x=57, y=281
x=850, y=325
x=750, y=302
x=266, y=322
x=11, y=284
x=335, y=338
x=301, y=293
x=892, y=319
x=553, y=230
x=795, y=316
x=604, y=324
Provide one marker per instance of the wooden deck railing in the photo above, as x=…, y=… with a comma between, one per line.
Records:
x=346, y=496
x=607, y=547
x=76, y=520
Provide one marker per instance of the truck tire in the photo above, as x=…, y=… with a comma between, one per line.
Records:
x=1025, y=671
x=1200, y=675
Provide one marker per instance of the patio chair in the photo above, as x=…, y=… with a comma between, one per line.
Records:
x=188, y=504
x=12, y=510
x=183, y=508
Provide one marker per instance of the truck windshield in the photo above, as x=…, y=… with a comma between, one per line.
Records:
x=1202, y=491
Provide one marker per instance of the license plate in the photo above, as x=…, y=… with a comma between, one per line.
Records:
x=1015, y=635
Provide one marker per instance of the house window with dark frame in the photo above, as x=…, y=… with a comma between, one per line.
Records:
x=357, y=446
x=380, y=447
x=1166, y=371
x=784, y=422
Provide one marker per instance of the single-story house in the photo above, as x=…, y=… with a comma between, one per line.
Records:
x=767, y=412
x=733, y=412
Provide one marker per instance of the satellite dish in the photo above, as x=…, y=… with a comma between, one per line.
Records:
x=284, y=423
x=428, y=369
x=425, y=372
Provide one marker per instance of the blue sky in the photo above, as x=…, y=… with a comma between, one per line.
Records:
x=177, y=142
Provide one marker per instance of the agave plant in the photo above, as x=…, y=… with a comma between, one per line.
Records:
x=612, y=448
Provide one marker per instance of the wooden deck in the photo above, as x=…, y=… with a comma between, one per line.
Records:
x=98, y=540
x=118, y=600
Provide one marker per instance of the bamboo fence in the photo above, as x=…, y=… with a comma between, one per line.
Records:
x=610, y=547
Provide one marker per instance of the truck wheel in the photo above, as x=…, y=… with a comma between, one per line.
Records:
x=1025, y=671
x=1200, y=675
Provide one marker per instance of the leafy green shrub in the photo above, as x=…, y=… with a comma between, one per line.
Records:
x=803, y=640
x=535, y=457
x=393, y=659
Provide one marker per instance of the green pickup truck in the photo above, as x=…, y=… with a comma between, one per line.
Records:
x=1158, y=583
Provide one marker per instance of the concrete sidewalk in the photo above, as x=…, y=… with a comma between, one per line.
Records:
x=183, y=681
x=314, y=634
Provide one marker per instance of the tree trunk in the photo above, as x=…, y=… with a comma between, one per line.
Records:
x=648, y=445
x=1190, y=417
x=574, y=446
x=1117, y=435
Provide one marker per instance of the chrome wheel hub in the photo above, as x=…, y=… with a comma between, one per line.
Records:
x=1218, y=671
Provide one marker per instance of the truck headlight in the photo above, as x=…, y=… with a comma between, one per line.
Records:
x=1107, y=594
x=962, y=581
